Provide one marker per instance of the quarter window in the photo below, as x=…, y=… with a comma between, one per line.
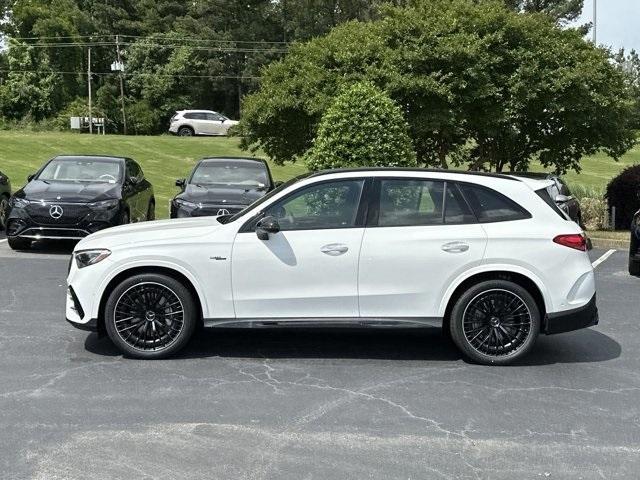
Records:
x=322, y=206
x=491, y=206
x=421, y=202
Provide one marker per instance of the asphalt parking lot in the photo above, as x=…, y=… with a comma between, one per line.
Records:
x=311, y=404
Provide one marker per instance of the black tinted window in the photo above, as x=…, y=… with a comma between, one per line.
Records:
x=195, y=116
x=327, y=205
x=413, y=202
x=492, y=206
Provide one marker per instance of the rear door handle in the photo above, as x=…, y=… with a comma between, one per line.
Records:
x=455, y=247
x=334, y=249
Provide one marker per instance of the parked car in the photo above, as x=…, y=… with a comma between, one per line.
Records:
x=477, y=253
x=634, y=246
x=187, y=123
x=72, y=196
x=5, y=194
x=560, y=194
x=221, y=186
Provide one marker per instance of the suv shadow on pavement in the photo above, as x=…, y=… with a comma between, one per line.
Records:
x=427, y=344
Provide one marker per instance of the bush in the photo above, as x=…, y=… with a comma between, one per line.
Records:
x=594, y=213
x=622, y=193
x=362, y=128
x=143, y=119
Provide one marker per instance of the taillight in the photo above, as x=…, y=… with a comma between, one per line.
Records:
x=573, y=240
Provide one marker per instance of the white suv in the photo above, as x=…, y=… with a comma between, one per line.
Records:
x=187, y=123
x=488, y=257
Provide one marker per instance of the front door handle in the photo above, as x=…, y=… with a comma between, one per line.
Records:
x=334, y=249
x=455, y=247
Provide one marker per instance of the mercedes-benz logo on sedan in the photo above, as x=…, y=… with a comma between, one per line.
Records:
x=56, y=211
x=223, y=211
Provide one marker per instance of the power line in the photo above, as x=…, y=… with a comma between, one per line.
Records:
x=150, y=37
x=157, y=45
x=148, y=74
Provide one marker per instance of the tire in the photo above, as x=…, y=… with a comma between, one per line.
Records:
x=186, y=132
x=146, y=328
x=4, y=207
x=18, y=243
x=481, y=309
x=151, y=211
x=634, y=267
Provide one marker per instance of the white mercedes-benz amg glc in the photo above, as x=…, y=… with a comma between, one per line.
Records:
x=489, y=257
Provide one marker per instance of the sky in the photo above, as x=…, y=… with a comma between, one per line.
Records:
x=618, y=22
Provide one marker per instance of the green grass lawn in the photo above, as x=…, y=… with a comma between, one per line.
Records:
x=163, y=158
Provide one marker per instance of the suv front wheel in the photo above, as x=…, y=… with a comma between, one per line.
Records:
x=495, y=322
x=150, y=316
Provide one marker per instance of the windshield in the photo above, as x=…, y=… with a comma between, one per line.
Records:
x=77, y=170
x=249, y=174
x=233, y=218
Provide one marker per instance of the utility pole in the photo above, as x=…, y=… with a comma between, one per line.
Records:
x=595, y=21
x=124, y=113
x=89, y=85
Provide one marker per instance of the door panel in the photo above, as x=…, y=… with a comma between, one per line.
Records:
x=404, y=271
x=297, y=274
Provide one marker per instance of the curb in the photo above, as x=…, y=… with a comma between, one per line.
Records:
x=610, y=243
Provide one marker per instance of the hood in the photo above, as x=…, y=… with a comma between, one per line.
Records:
x=72, y=192
x=221, y=195
x=158, y=231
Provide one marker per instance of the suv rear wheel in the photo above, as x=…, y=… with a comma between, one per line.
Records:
x=150, y=316
x=495, y=322
x=185, y=132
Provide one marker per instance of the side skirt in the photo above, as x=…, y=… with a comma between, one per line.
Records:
x=368, y=322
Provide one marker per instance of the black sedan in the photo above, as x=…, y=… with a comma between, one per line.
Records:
x=634, y=246
x=73, y=196
x=221, y=186
x=5, y=194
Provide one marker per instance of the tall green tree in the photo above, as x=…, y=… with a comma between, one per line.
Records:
x=560, y=10
x=479, y=85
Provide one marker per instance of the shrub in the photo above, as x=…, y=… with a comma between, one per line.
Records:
x=594, y=213
x=362, y=128
x=622, y=193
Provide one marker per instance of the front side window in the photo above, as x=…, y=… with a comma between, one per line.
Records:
x=414, y=202
x=491, y=206
x=214, y=117
x=322, y=206
x=79, y=170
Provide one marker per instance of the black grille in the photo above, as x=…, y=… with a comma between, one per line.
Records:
x=71, y=213
x=209, y=211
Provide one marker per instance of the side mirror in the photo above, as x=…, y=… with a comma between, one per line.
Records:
x=266, y=226
x=31, y=177
x=132, y=180
x=562, y=199
x=181, y=182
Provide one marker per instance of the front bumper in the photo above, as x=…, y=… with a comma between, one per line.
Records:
x=28, y=225
x=567, y=321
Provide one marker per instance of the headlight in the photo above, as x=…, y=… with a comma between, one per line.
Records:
x=105, y=205
x=84, y=258
x=16, y=202
x=184, y=203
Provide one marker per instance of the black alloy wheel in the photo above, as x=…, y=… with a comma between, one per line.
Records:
x=4, y=209
x=150, y=316
x=495, y=322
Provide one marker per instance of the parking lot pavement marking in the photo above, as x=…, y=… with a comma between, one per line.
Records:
x=603, y=258
x=3, y=240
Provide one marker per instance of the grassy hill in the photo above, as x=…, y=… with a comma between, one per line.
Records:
x=165, y=158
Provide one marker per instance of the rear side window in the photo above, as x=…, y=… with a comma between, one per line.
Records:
x=543, y=193
x=491, y=206
x=412, y=202
x=195, y=116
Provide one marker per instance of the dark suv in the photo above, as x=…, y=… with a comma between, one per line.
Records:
x=72, y=196
x=560, y=194
x=634, y=246
x=221, y=186
x=5, y=194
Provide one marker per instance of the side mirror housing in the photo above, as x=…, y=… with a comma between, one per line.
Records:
x=181, y=182
x=266, y=226
x=562, y=199
x=31, y=177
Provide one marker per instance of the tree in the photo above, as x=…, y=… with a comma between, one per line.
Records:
x=363, y=127
x=479, y=84
x=563, y=11
x=630, y=66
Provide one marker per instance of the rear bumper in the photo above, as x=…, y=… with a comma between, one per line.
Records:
x=583, y=317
